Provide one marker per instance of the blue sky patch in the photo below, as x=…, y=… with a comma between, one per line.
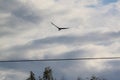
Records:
x=106, y=2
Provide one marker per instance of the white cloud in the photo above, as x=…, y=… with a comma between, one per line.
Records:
x=26, y=33
x=12, y=75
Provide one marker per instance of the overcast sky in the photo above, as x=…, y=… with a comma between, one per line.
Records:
x=26, y=33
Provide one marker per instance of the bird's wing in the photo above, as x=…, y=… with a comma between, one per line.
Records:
x=64, y=28
x=54, y=24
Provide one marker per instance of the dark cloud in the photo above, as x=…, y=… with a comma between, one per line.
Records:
x=59, y=67
x=69, y=69
x=8, y=6
x=112, y=72
x=38, y=67
x=20, y=10
x=70, y=40
x=20, y=17
x=18, y=52
x=27, y=14
x=71, y=54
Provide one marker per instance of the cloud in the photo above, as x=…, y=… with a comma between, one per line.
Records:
x=26, y=14
x=26, y=33
x=12, y=74
x=17, y=21
x=17, y=16
x=43, y=46
x=111, y=72
x=85, y=39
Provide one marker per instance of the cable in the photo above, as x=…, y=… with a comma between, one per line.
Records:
x=69, y=59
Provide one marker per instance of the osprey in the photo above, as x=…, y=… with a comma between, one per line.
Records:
x=59, y=28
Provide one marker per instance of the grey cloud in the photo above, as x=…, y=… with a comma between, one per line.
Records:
x=70, y=41
x=20, y=10
x=39, y=66
x=20, y=17
x=91, y=6
x=71, y=54
x=113, y=11
x=25, y=13
x=59, y=67
x=113, y=71
x=7, y=5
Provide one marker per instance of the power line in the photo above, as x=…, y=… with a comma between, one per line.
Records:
x=68, y=59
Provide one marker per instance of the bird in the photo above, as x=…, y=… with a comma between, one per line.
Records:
x=59, y=28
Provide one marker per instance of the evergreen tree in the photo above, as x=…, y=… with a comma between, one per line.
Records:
x=47, y=74
x=79, y=78
x=32, y=76
x=96, y=78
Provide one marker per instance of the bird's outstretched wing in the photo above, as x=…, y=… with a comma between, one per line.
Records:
x=64, y=28
x=59, y=28
x=54, y=24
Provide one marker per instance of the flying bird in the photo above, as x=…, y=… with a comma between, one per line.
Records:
x=59, y=28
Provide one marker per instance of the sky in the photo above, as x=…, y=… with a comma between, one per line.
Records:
x=26, y=33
